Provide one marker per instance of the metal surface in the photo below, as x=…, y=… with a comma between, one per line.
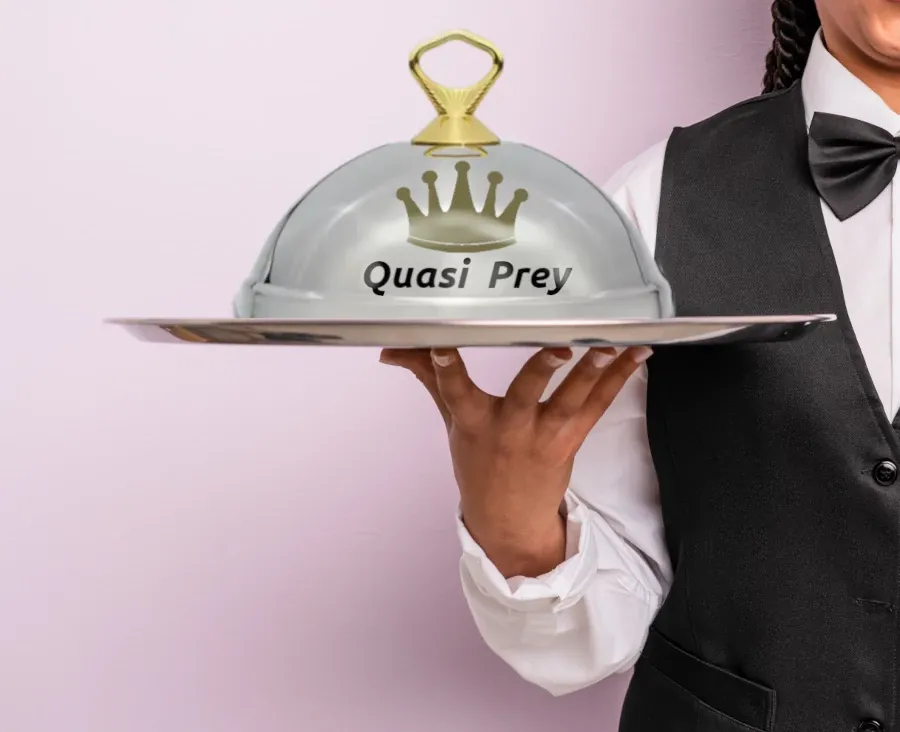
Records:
x=513, y=235
x=456, y=124
x=433, y=334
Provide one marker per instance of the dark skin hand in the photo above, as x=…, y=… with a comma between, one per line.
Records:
x=513, y=455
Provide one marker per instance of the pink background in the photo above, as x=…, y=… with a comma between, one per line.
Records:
x=239, y=540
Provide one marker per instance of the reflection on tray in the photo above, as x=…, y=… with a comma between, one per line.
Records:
x=238, y=335
x=322, y=339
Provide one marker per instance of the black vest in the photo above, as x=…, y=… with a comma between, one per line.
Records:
x=783, y=530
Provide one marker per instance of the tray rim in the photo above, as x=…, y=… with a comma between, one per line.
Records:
x=725, y=320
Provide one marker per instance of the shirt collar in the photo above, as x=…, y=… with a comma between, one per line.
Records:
x=828, y=86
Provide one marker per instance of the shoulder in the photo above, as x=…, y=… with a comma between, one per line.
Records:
x=645, y=169
x=747, y=119
x=636, y=187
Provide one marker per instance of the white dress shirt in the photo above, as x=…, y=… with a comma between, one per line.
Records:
x=589, y=618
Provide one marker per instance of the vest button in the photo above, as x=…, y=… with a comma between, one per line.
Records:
x=885, y=473
x=870, y=725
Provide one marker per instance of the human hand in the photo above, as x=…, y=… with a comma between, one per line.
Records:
x=513, y=455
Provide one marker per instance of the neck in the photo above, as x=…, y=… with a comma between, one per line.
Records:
x=880, y=77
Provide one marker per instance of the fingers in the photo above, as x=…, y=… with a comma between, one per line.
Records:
x=608, y=387
x=418, y=361
x=571, y=394
x=467, y=404
x=444, y=375
x=576, y=405
x=404, y=356
x=529, y=385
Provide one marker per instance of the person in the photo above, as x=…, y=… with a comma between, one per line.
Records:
x=722, y=521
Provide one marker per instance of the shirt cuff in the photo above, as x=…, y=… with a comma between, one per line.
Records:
x=556, y=590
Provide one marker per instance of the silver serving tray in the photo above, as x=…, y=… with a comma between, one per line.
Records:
x=471, y=333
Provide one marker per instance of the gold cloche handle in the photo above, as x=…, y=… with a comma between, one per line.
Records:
x=456, y=124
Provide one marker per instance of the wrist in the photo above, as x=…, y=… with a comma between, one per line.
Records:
x=529, y=547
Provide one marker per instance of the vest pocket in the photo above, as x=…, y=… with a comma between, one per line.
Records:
x=675, y=691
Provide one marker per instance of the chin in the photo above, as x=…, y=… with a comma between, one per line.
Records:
x=881, y=30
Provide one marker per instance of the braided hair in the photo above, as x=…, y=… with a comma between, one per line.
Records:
x=794, y=26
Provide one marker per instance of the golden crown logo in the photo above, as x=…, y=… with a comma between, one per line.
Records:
x=462, y=228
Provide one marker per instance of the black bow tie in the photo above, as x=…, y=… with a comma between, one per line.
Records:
x=851, y=161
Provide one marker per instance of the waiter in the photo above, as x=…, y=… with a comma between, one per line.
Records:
x=723, y=520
